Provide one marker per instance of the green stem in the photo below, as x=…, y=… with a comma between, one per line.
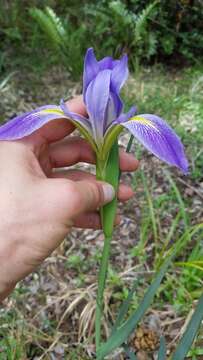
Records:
x=101, y=286
x=106, y=171
x=100, y=175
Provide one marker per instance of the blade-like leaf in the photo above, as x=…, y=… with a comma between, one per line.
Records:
x=168, y=238
x=179, y=199
x=189, y=335
x=162, y=349
x=110, y=174
x=121, y=334
x=150, y=206
x=129, y=353
x=124, y=307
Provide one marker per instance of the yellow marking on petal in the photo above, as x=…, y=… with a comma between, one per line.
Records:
x=144, y=121
x=53, y=111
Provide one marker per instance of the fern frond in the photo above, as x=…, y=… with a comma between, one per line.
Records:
x=119, y=10
x=51, y=26
x=57, y=23
x=142, y=20
x=152, y=44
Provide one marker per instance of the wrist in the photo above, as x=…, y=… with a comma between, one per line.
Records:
x=7, y=283
x=10, y=266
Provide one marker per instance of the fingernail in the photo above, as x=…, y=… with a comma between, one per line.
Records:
x=109, y=192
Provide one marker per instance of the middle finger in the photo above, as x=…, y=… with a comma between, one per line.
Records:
x=75, y=149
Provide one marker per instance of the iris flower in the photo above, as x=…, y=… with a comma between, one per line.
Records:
x=102, y=82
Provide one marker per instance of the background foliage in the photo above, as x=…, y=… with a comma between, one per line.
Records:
x=149, y=31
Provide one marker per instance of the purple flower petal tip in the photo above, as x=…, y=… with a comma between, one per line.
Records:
x=120, y=74
x=125, y=117
x=25, y=124
x=91, y=68
x=159, y=138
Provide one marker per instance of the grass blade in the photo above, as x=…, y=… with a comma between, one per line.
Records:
x=179, y=199
x=189, y=335
x=151, y=207
x=121, y=334
x=124, y=308
x=168, y=238
x=130, y=142
x=129, y=353
x=5, y=81
x=162, y=349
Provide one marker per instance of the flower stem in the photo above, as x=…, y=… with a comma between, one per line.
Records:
x=106, y=171
x=101, y=286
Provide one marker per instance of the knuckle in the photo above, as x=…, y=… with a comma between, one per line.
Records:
x=96, y=194
x=69, y=191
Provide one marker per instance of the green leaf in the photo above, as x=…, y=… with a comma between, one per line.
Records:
x=162, y=349
x=124, y=307
x=168, y=238
x=108, y=172
x=111, y=176
x=151, y=207
x=129, y=353
x=50, y=24
x=179, y=199
x=130, y=142
x=189, y=335
x=191, y=264
x=119, y=336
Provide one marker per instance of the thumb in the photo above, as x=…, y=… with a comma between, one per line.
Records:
x=91, y=195
x=72, y=198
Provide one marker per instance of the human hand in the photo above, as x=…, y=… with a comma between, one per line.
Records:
x=38, y=205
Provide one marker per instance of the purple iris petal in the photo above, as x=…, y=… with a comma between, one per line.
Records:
x=119, y=74
x=125, y=117
x=107, y=63
x=114, y=108
x=111, y=110
x=91, y=68
x=102, y=81
x=117, y=102
x=27, y=123
x=76, y=117
x=159, y=138
x=96, y=100
x=121, y=119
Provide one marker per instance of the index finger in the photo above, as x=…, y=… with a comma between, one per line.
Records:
x=77, y=105
x=56, y=130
